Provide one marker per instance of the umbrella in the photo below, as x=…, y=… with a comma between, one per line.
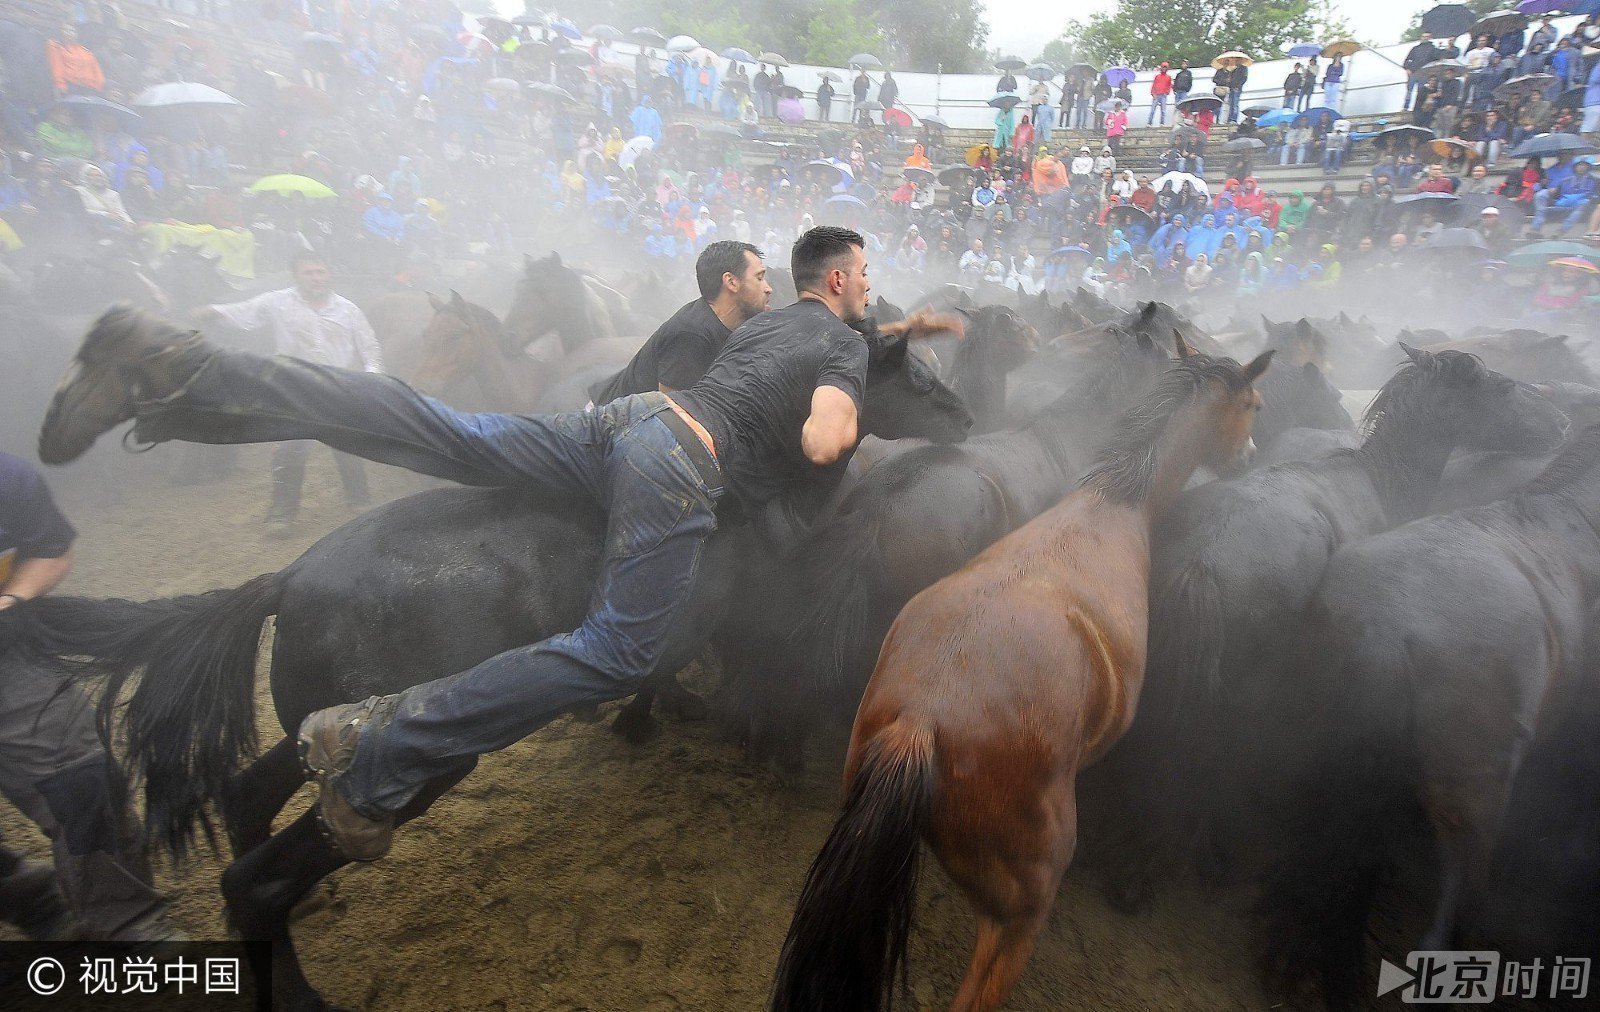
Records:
x=607, y=32
x=1255, y=112
x=826, y=172
x=1446, y=21
x=1455, y=239
x=1445, y=147
x=1576, y=263
x=919, y=175
x=575, y=57
x=687, y=130
x=787, y=91
x=1005, y=100
x=1109, y=105
x=1301, y=50
x=566, y=29
x=1321, y=112
x=1527, y=84
x=633, y=149
x=1010, y=63
x=896, y=117
x=1194, y=103
x=96, y=104
x=937, y=122
x=957, y=175
x=1533, y=7
x=286, y=184
x=1082, y=251
x=1119, y=76
x=501, y=84
x=826, y=75
x=1412, y=201
x=864, y=60
x=740, y=55
x=830, y=138
x=648, y=37
x=179, y=93
x=791, y=111
x=1408, y=134
x=1041, y=71
x=1244, y=144
x=1177, y=179
x=1079, y=71
x=529, y=20
x=700, y=54
x=1276, y=117
x=1439, y=68
x=1553, y=145
x=1501, y=22
x=1342, y=47
x=777, y=60
x=845, y=199
x=725, y=130
x=1128, y=214
x=681, y=44
x=1231, y=58
x=1572, y=98
x=1540, y=253
x=554, y=91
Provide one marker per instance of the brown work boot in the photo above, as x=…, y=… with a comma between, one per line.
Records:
x=327, y=746
x=127, y=357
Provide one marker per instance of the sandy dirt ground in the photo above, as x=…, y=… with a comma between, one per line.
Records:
x=573, y=871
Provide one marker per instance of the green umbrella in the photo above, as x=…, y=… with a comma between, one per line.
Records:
x=1540, y=253
x=288, y=183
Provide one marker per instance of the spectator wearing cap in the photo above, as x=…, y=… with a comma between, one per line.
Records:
x=1496, y=235
x=1160, y=90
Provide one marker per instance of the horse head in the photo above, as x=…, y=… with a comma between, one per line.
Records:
x=1453, y=397
x=1298, y=343
x=905, y=399
x=461, y=340
x=1299, y=397
x=550, y=297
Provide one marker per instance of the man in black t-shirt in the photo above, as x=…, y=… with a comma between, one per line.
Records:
x=733, y=288
x=53, y=767
x=779, y=405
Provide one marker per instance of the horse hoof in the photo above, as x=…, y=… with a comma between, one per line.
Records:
x=685, y=705
x=635, y=727
x=588, y=713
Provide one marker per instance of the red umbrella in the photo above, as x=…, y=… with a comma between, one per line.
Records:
x=896, y=117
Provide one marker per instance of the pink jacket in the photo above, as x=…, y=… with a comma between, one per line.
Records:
x=1116, y=123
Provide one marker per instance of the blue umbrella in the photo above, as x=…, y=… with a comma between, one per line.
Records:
x=1301, y=50
x=845, y=198
x=735, y=53
x=566, y=28
x=1277, y=117
x=1119, y=76
x=1320, y=111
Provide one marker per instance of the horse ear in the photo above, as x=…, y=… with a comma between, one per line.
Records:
x=437, y=303
x=1258, y=365
x=1184, y=349
x=893, y=353
x=457, y=302
x=1302, y=329
x=967, y=314
x=554, y=258
x=1267, y=324
x=1311, y=371
x=1416, y=355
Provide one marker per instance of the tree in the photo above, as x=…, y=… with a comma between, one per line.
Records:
x=836, y=33
x=1478, y=7
x=1058, y=53
x=925, y=36
x=1143, y=32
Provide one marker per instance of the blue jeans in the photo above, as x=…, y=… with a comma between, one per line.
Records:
x=1332, y=160
x=1157, y=103
x=1233, y=103
x=621, y=457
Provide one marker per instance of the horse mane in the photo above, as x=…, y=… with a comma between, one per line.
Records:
x=123, y=319
x=1399, y=396
x=1126, y=465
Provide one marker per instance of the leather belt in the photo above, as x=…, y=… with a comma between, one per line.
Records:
x=699, y=455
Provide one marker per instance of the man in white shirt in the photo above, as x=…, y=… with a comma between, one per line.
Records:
x=974, y=259
x=308, y=321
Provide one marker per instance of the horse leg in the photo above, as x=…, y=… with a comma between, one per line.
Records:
x=634, y=723
x=260, y=889
x=998, y=959
x=256, y=794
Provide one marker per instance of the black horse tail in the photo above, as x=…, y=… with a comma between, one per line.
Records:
x=847, y=944
x=1187, y=635
x=191, y=719
x=849, y=582
x=1355, y=803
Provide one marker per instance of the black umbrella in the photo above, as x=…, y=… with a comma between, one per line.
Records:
x=1439, y=68
x=1572, y=98
x=1244, y=144
x=1410, y=134
x=96, y=104
x=1553, y=146
x=1009, y=63
x=1446, y=21
x=1501, y=22
x=1127, y=214
x=957, y=175
x=1447, y=203
x=1527, y=84
x=1195, y=103
x=1041, y=71
x=1455, y=239
x=648, y=37
x=937, y=122
x=1081, y=71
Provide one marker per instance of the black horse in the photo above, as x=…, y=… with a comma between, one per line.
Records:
x=420, y=588
x=1441, y=653
x=914, y=519
x=1235, y=563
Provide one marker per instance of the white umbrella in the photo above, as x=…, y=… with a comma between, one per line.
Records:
x=681, y=44
x=633, y=149
x=1177, y=179
x=175, y=93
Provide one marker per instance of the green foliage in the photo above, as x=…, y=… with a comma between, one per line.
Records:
x=924, y=36
x=1478, y=7
x=1141, y=33
x=836, y=33
x=1058, y=53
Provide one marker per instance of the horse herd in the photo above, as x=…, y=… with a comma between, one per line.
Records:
x=1361, y=646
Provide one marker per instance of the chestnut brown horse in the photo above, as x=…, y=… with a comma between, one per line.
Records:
x=995, y=686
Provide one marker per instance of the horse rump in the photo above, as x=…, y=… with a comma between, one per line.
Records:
x=847, y=944
x=190, y=721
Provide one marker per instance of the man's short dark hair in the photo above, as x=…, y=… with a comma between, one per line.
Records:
x=818, y=251
x=725, y=256
x=306, y=256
